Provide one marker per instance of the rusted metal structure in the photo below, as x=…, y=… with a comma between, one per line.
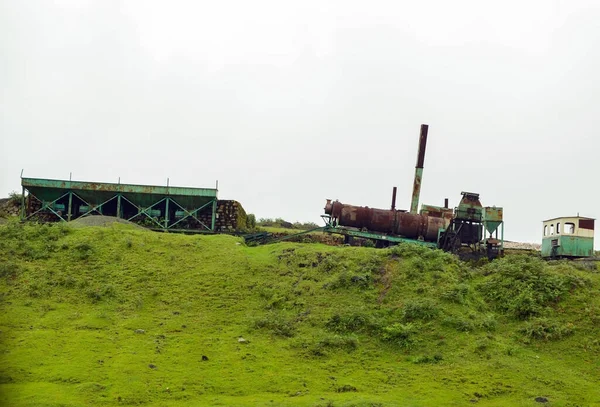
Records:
x=568, y=237
x=395, y=222
x=157, y=207
x=468, y=225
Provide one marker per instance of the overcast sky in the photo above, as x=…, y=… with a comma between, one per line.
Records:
x=287, y=103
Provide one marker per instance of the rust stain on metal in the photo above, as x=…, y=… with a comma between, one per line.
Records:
x=422, y=145
x=396, y=222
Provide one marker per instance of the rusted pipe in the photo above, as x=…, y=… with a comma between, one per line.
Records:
x=394, y=198
x=414, y=206
x=446, y=203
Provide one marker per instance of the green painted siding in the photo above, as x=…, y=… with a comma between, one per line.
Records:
x=570, y=246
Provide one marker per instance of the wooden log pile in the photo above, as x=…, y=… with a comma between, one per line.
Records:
x=9, y=207
x=230, y=217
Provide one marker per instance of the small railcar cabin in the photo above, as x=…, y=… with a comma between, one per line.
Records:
x=568, y=237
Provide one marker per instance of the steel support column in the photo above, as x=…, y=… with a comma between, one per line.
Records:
x=167, y=213
x=214, y=215
x=70, y=206
x=118, y=205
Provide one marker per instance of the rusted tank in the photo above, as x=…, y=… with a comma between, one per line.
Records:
x=397, y=222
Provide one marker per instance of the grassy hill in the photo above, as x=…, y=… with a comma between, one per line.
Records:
x=121, y=316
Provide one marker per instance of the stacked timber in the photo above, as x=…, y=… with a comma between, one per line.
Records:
x=230, y=216
x=34, y=205
x=10, y=207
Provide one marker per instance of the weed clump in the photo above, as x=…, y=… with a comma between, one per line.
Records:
x=277, y=325
x=428, y=359
x=457, y=294
x=10, y=270
x=545, y=329
x=352, y=322
x=401, y=335
x=423, y=309
x=347, y=343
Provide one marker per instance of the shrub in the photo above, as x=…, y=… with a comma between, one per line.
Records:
x=250, y=221
x=545, y=329
x=419, y=309
x=399, y=334
x=457, y=294
x=460, y=324
x=9, y=270
x=522, y=286
x=334, y=342
x=347, y=279
x=353, y=322
x=488, y=323
x=98, y=294
x=15, y=198
x=277, y=325
x=428, y=359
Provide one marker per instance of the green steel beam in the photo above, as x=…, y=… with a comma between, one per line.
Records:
x=375, y=236
x=167, y=213
x=118, y=205
x=193, y=213
x=70, y=206
x=47, y=206
x=123, y=188
x=144, y=211
x=214, y=215
x=95, y=208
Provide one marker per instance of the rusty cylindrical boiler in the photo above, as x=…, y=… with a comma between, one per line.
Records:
x=409, y=225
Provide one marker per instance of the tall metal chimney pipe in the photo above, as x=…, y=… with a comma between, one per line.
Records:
x=394, y=198
x=414, y=206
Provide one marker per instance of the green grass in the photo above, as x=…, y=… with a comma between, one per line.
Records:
x=122, y=316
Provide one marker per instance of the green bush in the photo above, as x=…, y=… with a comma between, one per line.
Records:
x=9, y=270
x=522, y=286
x=545, y=329
x=251, y=221
x=457, y=294
x=428, y=359
x=460, y=324
x=353, y=322
x=398, y=334
x=277, y=325
x=334, y=342
x=423, y=309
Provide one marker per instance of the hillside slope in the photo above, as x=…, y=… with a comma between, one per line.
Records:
x=122, y=316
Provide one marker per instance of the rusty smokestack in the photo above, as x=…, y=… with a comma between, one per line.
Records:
x=446, y=203
x=394, y=198
x=414, y=205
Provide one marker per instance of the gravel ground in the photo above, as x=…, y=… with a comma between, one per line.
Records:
x=99, y=220
x=526, y=246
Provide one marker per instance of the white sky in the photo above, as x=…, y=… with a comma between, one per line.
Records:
x=289, y=103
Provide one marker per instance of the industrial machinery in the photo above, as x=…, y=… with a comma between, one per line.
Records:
x=469, y=225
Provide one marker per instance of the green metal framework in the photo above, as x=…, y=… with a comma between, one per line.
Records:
x=159, y=207
x=383, y=238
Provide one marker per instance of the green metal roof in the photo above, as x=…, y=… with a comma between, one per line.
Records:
x=97, y=192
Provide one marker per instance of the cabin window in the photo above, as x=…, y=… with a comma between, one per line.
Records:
x=545, y=230
x=551, y=229
x=558, y=228
x=569, y=228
